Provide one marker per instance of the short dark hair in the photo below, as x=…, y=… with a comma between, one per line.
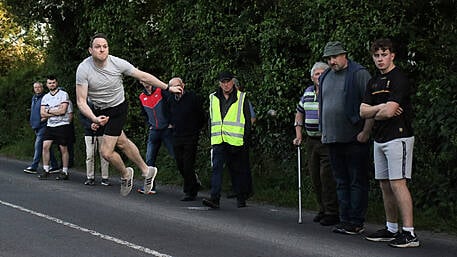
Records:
x=97, y=35
x=51, y=77
x=382, y=44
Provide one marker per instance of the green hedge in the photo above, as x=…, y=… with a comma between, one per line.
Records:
x=270, y=46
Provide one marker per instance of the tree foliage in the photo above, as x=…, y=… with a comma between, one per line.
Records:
x=20, y=44
x=270, y=46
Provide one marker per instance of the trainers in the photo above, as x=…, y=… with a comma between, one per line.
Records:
x=382, y=235
x=54, y=170
x=63, y=176
x=89, y=182
x=30, y=170
x=44, y=175
x=405, y=239
x=149, y=179
x=213, y=203
x=127, y=183
x=105, y=182
x=151, y=192
x=348, y=228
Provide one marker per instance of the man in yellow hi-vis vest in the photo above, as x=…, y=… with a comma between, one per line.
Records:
x=229, y=111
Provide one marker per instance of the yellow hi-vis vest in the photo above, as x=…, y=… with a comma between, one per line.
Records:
x=231, y=129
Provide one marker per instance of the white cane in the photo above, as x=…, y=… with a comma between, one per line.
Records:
x=299, y=185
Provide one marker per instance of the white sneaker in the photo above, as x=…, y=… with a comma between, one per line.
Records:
x=149, y=179
x=127, y=183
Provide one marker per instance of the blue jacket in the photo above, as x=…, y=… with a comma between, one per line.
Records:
x=156, y=108
x=352, y=102
x=35, y=115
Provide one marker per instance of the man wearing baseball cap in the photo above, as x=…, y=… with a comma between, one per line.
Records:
x=346, y=134
x=230, y=125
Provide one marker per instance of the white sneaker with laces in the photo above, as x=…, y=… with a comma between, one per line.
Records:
x=127, y=183
x=149, y=179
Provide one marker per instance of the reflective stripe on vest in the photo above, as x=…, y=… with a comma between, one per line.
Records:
x=231, y=129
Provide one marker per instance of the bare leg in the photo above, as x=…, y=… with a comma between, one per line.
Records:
x=390, y=202
x=404, y=201
x=46, y=152
x=65, y=156
x=132, y=152
x=107, y=150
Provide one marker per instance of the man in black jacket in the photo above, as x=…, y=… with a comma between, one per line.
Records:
x=187, y=119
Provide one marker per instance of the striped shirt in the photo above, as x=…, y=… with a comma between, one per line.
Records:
x=309, y=106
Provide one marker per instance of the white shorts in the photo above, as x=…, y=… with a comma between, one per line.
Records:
x=394, y=159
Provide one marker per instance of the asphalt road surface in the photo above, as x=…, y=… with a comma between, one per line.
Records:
x=66, y=218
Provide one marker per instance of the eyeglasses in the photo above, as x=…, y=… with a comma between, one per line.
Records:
x=225, y=80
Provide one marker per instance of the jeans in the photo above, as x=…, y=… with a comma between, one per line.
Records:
x=155, y=139
x=350, y=164
x=39, y=150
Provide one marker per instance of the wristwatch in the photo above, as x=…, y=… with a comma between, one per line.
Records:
x=298, y=124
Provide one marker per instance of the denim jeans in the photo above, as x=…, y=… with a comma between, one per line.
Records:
x=39, y=133
x=350, y=164
x=155, y=139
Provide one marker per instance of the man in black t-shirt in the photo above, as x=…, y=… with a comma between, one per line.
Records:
x=387, y=100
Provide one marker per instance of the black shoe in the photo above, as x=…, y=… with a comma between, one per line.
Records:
x=213, y=203
x=329, y=220
x=62, y=176
x=105, y=182
x=382, y=235
x=54, y=170
x=348, y=228
x=44, y=175
x=188, y=198
x=89, y=182
x=30, y=170
x=240, y=202
x=405, y=239
x=318, y=217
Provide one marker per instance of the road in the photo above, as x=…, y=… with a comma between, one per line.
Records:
x=66, y=218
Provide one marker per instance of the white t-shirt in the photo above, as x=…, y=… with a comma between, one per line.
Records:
x=53, y=102
x=105, y=87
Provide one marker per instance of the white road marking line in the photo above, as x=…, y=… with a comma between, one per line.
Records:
x=92, y=232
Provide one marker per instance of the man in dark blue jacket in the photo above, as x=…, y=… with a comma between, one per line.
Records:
x=39, y=126
x=346, y=134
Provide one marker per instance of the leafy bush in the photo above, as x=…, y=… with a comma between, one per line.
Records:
x=270, y=46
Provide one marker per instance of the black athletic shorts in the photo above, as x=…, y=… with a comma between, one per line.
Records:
x=62, y=135
x=117, y=118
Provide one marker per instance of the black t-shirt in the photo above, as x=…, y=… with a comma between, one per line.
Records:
x=393, y=86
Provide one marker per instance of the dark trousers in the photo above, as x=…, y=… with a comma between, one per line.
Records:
x=350, y=162
x=237, y=160
x=322, y=176
x=185, y=150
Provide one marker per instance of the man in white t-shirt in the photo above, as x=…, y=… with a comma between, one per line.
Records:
x=99, y=79
x=54, y=108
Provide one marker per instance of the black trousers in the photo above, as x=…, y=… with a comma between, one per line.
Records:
x=185, y=150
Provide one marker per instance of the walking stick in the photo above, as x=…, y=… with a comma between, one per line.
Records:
x=299, y=185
